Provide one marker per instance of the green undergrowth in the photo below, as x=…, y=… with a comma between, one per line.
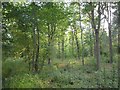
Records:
x=62, y=74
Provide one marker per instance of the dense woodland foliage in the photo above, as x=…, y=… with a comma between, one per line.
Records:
x=60, y=45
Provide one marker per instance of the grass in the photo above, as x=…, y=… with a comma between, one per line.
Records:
x=63, y=74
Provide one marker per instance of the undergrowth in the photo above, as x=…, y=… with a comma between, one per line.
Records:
x=68, y=74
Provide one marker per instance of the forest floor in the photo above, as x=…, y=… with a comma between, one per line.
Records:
x=68, y=73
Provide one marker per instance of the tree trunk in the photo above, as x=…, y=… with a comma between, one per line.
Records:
x=119, y=40
x=94, y=44
x=110, y=37
x=34, y=49
x=97, y=47
x=77, y=43
x=72, y=44
x=119, y=28
x=91, y=44
x=49, y=44
x=58, y=48
x=81, y=37
x=118, y=45
x=110, y=44
x=63, y=48
x=37, y=51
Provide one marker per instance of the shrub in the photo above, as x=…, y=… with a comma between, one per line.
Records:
x=12, y=67
x=23, y=81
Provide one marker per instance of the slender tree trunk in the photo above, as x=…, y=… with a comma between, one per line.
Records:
x=77, y=43
x=58, y=48
x=49, y=44
x=119, y=40
x=34, y=42
x=119, y=28
x=63, y=48
x=94, y=28
x=82, y=49
x=91, y=44
x=34, y=49
x=119, y=52
x=97, y=47
x=110, y=37
x=110, y=45
x=94, y=43
x=70, y=47
x=72, y=44
x=97, y=37
x=81, y=36
x=37, y=51
x=119, y=44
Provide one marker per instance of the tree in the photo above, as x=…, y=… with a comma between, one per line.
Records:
x=81, y=34
x=118, y=43
x=109, y=27
x=118, y=27
x=96, y=27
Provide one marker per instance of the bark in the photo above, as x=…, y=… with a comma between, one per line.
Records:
x=97, y=37
x=34, y=49
x=58, y=48
x=119, y=44
x=119, y=54
x=49, y=59
x=94, y=49
x=81, y=37
x=119, y=40
x=63, y=48
x=37, y=51
x=77, y=43
x=72, y=43
x=110, y=44
x=34, y=41
x=91, y=45
x=70, y=46
x=110, y=37
x=119, y=28
x=97, y=47
x=93, y=31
